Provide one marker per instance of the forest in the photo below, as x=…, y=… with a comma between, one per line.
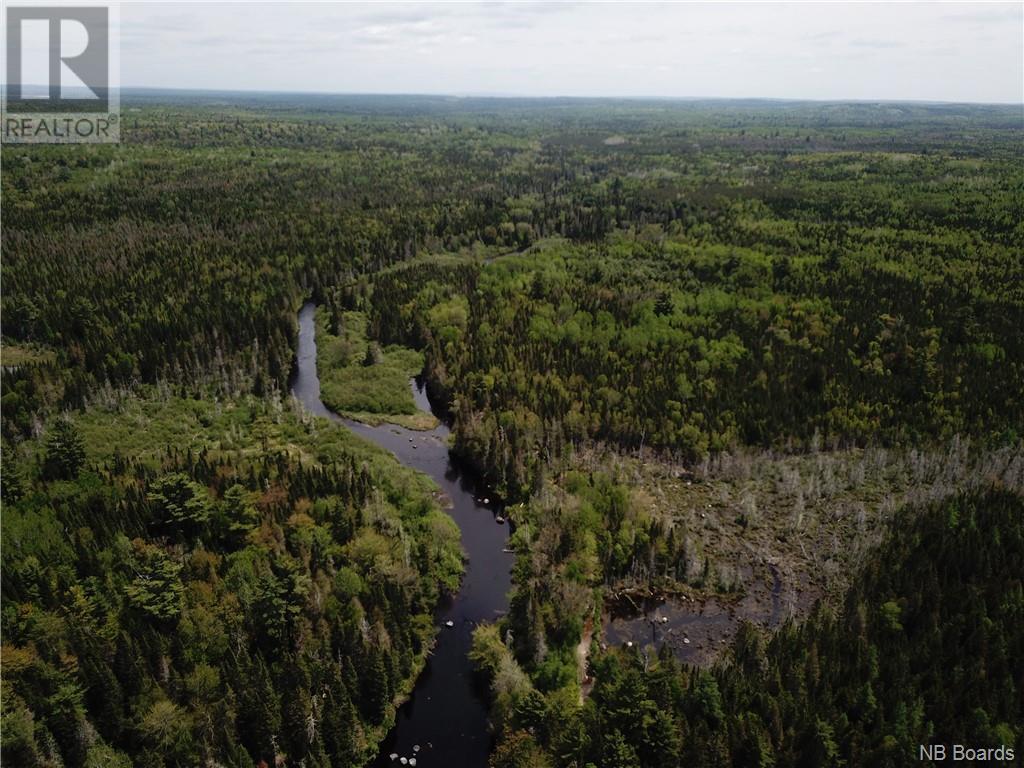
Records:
x=682, y=341
x=196, y=581
x=925, y=646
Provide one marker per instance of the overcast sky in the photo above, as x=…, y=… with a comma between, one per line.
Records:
x=920, y=51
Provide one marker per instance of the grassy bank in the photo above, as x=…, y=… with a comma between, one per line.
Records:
x=361, y=380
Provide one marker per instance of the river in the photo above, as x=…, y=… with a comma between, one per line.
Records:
x=446, y=716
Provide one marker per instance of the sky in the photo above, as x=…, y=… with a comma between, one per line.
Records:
x=969, y=52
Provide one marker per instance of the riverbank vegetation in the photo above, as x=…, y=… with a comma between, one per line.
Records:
x=362, y=380
x=688, y=342
x=188, y=580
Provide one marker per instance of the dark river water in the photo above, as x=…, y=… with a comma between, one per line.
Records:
x=446, y=716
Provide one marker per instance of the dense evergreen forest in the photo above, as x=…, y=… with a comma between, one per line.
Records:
x=187, y=581
x=682, y=340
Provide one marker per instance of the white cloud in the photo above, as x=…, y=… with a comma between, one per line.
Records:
x=925, y=51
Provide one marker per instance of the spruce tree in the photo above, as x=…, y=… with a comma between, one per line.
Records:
x=65, y=452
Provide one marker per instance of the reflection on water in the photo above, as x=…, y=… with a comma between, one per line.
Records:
x=695, y=630
x=445, y=721
x=691, y=630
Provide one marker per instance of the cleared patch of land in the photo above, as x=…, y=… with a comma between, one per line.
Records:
x=15, y=355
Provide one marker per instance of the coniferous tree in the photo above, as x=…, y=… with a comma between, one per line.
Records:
x=65, y=452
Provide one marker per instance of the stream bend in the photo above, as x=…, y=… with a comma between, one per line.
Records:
x=446, y=716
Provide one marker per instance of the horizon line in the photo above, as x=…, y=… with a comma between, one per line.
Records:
x=607, y=97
